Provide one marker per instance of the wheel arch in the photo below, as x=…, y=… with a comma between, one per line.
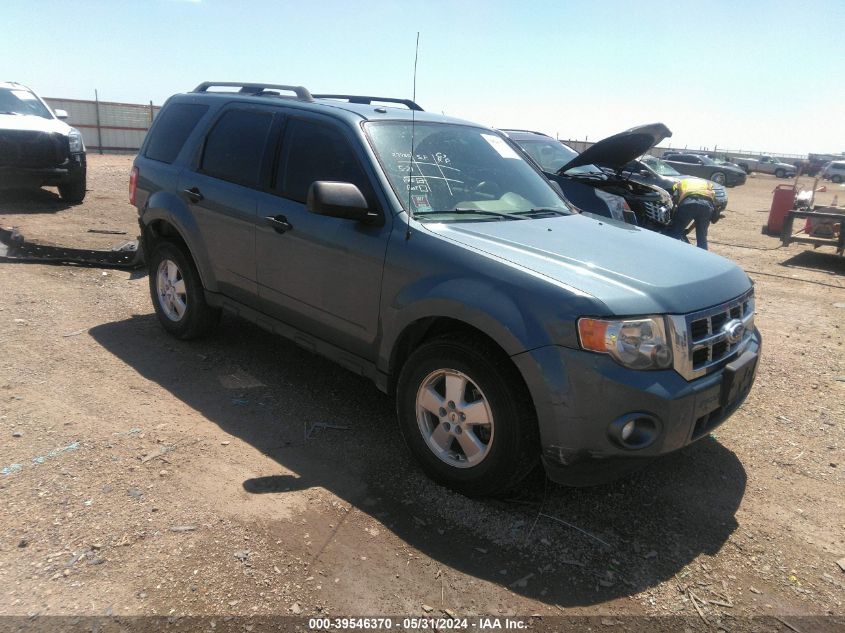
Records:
x=159, y=221
x=428, y=328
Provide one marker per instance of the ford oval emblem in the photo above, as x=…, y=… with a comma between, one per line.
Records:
x=733, y=329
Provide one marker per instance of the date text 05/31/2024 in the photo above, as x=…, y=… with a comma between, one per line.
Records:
x=422, y=624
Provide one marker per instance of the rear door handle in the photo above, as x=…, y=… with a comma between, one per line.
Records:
x=279, y=223
x=193, y=193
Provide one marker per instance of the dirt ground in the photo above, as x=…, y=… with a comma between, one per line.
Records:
x=241, y=475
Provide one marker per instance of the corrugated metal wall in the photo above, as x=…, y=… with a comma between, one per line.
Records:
x=122, y=126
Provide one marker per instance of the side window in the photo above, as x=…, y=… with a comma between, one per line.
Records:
x=235, y=146
x=311, y=152
x=172, y=128
x=694, y=160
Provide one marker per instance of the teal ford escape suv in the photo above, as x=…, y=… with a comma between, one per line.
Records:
x=427, y=254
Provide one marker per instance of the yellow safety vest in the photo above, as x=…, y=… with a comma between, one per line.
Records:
x=695, y=187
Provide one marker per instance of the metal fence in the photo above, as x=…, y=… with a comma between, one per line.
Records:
x=108, y=126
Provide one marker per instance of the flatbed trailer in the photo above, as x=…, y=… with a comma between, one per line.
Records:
x=825, y=227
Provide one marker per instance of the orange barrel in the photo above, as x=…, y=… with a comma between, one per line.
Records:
x=782, y=203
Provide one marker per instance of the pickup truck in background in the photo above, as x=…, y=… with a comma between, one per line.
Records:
x=765, y=165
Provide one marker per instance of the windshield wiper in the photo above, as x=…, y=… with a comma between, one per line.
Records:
x=9, y=112
x=540, y=211
x=466, y=211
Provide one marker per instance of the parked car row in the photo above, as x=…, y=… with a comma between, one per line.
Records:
x=613, y=177
x=437, y=258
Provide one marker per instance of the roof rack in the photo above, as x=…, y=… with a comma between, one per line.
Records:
x=255, y=88
x=411, y=105
x=513, y=129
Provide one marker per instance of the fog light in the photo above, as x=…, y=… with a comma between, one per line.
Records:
x=635, y=430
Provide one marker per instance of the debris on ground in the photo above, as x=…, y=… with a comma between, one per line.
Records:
x=14, y=246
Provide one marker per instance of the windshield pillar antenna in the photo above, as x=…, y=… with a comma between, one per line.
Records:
x=413, y=128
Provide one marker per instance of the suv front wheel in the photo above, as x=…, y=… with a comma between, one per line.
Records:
x=177, y=292
x=73, y=191
x=466, y=416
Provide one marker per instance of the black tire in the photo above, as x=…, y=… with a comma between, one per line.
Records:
x=514, y=447
x=837, y=178
x=779, y=173
x=198, y=318
x=73, y=192
x=718, y=177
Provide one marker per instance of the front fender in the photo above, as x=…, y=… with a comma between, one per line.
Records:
x=475, y=302
x=168, y=207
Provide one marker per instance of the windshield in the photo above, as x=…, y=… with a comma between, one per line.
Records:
x=661, y=167
x=706, y=160
x=550, y=155
x=14, y=101
x=459, y=168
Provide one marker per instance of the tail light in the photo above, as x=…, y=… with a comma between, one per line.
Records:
x=133, y=184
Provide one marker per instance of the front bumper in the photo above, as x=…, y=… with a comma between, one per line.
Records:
x=579, y=396
x=73, y=168
x=733, y=179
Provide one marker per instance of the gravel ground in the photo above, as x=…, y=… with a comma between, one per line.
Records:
x=143, y=475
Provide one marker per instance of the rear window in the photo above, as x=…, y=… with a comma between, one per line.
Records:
x=235, y=146
x=172, y=128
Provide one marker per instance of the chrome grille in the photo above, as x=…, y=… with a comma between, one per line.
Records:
x=701, y=342
x=30, y=149
x=658, y=212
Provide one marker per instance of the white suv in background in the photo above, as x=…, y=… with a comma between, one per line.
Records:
x=834, y=171
x=37, y=148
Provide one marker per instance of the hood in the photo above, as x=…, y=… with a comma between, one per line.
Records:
x=620, y=149
x=32, y=123
x=632, y=271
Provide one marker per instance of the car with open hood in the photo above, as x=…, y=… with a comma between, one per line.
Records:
x=37, y=147
x=594, y=180
x=429, y=255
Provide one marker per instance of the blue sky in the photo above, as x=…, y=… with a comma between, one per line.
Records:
x=758, y=75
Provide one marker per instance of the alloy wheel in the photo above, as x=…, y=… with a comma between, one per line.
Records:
x=454, y=418
x=171, y=291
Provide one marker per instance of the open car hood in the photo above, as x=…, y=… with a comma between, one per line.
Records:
x=620, y=149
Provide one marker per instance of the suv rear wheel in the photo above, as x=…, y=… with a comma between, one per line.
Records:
x=718, y=177
x=177, y=292
x=466, y=416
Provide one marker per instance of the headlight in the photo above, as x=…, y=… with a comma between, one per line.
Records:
x=74, y=138
x=636, y=343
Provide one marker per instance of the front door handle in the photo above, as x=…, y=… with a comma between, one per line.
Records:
x=194, y=194
x=279, y=223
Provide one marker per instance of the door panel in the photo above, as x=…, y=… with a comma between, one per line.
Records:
x=324, y=274
x=226, y=218
x=222, y=194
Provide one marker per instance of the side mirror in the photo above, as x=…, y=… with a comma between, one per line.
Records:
x=60, y=114
x=340, y=200
x=645, y=173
